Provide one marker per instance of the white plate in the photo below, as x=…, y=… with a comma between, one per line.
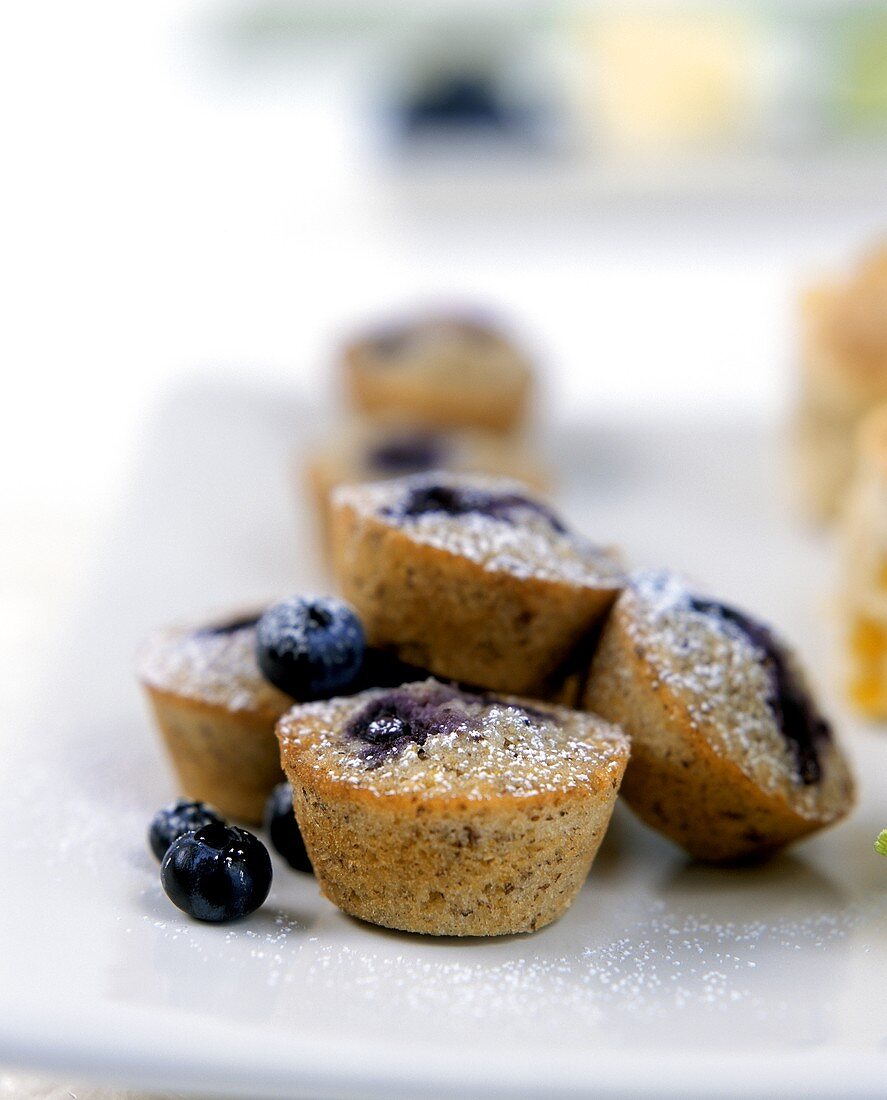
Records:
x=664, y=977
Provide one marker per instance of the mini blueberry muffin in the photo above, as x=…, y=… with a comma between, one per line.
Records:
x=367, y=450
x=216, y=711
x=429, y=809
x=864, y=569
x=445, y=371
x=472, y=578
x=843, y=377
x=730, y=756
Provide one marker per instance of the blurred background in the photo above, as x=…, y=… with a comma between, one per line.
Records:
x=222, y=190
x=220, y=187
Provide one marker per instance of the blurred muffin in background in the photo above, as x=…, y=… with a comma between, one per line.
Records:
x=441, y=370
x=843, y=376
x=864, y=568
x=373, y=450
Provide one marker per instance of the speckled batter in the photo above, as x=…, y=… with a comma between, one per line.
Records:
x=523, y=543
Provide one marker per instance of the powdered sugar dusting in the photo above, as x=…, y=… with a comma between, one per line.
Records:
x=497, y=748
x=525, y=546
x=215, y=668
x=719, y=675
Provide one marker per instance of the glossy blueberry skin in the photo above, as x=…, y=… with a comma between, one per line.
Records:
x=219, y=873
x=283, y=829
x=181, y=817
x=310, y=647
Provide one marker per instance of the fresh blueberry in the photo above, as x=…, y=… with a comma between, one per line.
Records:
x=181, y=817
x=310, y=647
x=217, y=874
x=283, y=829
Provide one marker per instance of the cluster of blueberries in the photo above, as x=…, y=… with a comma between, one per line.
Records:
x=218, y=872
x=310, y=648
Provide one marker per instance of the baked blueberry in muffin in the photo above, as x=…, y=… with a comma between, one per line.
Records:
x=475, y=579
x=431, y=809
x=731, y=756
x=216, y=711
x=447, y=371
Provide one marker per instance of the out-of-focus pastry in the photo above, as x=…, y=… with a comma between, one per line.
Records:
x=369, y=450
x=843, y=376
x=864, y=568
x=447, y=371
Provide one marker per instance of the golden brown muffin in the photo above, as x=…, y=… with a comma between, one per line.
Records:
x=864, y=569
x=441, y=370
x=372, y=450
x=730, y=757
x=429, y=809
x=216, y=712
x=843, y=376
x=472, y=578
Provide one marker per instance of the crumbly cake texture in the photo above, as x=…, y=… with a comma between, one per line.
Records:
x=499, y=595
x=843, y=376
x=863, y=530
x=429, y=809
x=711, y=766
x=446, y=371
x=216, y=713
x=370, y=450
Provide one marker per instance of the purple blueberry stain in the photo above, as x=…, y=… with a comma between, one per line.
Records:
x=459, y=500
x=801, y=724
x=230, y=627
x=387, y=724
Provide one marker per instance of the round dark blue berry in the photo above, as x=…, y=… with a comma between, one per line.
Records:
x=283, y=829
x=310, y=647
x=217, y=874
x=181, y=817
